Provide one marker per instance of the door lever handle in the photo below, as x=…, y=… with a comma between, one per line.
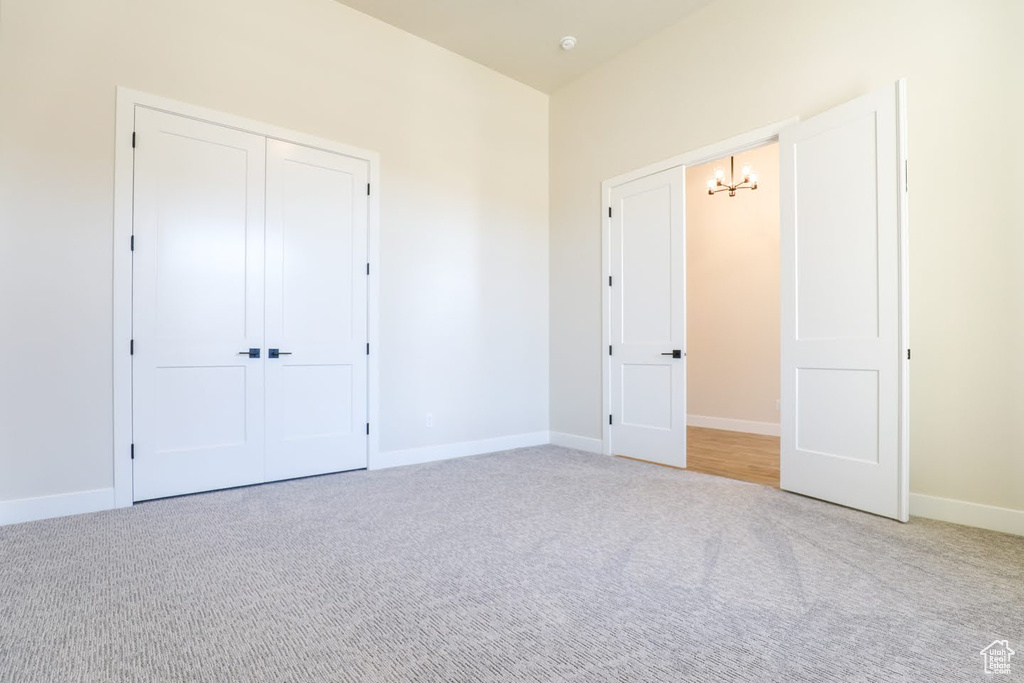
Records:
x=675, y=354
x=252, y=353
x=277, y=353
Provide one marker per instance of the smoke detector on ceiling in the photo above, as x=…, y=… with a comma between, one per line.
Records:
x=568, y=43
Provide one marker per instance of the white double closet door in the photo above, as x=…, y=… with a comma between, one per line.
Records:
x=249, y=308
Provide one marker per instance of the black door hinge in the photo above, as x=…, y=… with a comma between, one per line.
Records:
x=609, y=280
x=131, y=347
x=367, y=348
x=609, y=212
x=908, y=354
x=609, y=419
x=367, y=189
x=133, y=451
x=367, y=268
x=133, y=139
x=133, y=242
x=609, y=349
x=367, y=427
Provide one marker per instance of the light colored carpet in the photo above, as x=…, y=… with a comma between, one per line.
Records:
x=539, y=564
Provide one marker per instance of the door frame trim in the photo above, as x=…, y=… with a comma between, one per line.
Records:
x=903, y=197
x=701, y=155
x=124, y=178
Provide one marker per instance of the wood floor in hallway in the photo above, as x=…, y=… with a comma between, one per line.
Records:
x=736, y=455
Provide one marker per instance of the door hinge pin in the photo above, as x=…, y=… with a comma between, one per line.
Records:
x=609, y=280
x=133, y=242
x=367, y=189
x=367, y=348
x=367, y=268
x=609, y=419
x=131, y=347
x=609, y=212
x=609, y=349
x=133, y=451
x=133, y=139
x=908, y=354
x=367, y=427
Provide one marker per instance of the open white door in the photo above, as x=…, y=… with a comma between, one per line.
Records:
x=844, y=341
x=648, y=318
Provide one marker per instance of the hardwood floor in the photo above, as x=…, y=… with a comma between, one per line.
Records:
x=736, y=455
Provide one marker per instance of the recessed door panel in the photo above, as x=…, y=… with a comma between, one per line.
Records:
x=838, y=295
x=317, y=244
x=197, y=303
x=647, y=396
x=316, y=311
x=201, y=260
x=646, y=259
x=837, y=413
x=202, y=407
x=304, y=419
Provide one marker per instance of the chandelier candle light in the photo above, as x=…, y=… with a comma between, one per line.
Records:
x=717, y=184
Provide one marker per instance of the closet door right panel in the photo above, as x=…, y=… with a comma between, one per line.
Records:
x=316, y=312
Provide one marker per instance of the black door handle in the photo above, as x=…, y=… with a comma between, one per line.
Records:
x=675, y=354
x=277, y=353
x=252, y=353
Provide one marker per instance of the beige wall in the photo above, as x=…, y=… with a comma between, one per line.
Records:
x=732, y=293
x=739, y=65
x=464, y=231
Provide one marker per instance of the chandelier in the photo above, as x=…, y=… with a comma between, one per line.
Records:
x=718, y=184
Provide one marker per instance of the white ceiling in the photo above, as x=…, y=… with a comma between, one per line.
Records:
x=520, y=38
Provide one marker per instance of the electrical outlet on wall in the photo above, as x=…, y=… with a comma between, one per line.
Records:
x=430, y=420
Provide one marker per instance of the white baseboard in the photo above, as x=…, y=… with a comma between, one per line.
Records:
x=60, y=505
x=730, y=425
x=580, y=443
x=416, y=456
x=969, y=514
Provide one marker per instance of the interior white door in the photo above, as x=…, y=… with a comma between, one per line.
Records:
x=843, y=248
x=316, y=311
x=648, y=318
x=197, y=306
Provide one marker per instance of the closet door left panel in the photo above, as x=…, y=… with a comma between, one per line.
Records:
x=197, y=306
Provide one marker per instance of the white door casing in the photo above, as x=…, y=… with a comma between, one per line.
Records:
x=316, y=285
x=198, y=304
x=648, y=318
x=843, y=256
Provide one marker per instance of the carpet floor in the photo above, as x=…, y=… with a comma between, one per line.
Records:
x=540, y=564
